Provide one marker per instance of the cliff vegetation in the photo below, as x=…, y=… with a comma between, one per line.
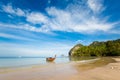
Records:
x=108, y=48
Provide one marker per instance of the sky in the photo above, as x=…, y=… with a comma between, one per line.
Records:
x=48, y=27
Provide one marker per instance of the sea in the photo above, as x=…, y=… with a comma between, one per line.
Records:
x=22, y=62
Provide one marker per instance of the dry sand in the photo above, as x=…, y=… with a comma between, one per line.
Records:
x=67, y=71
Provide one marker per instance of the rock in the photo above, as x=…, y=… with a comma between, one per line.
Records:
x=71, y=52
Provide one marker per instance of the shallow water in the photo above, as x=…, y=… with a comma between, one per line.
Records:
x=22, y=62
x=19, y=62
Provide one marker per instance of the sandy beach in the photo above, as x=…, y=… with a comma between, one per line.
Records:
x=65, y=71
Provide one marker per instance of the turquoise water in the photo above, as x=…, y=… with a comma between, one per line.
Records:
x=19, y=62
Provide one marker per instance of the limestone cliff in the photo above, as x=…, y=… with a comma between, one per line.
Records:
x=71, y=52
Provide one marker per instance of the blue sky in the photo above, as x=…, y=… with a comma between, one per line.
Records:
x=48, y=27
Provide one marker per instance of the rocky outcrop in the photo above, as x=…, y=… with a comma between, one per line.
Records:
x=71, y=52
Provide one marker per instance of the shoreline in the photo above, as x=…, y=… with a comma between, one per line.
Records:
x=65, y=71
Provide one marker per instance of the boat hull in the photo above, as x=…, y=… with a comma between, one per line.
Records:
x=50, y=59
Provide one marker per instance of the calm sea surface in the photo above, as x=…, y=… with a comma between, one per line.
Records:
x=24, y=62
x=19, y=62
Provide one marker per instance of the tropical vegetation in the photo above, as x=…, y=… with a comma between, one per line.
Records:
x=108, y=48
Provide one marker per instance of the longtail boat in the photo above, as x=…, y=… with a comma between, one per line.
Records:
x=51, y=58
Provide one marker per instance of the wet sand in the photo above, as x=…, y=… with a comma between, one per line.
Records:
x=67, y=71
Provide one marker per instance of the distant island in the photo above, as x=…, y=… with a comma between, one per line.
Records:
x=107, y=48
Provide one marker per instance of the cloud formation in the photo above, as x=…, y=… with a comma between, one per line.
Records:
x=23, y=27
x=96, y=5
x=15, y=37
x=76, y=21
x=36, y=18
x=16, y=11
x=81, y=16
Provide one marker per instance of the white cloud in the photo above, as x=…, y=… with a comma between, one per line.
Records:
x=14, y=37
x=33, y=17
x=95, y=5
x=19, y=12
x=61, y=19
x=74, y=18
x=9, y=9
x=36, y=18
x=26, y=27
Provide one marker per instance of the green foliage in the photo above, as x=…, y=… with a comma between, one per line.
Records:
x=109, y=48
